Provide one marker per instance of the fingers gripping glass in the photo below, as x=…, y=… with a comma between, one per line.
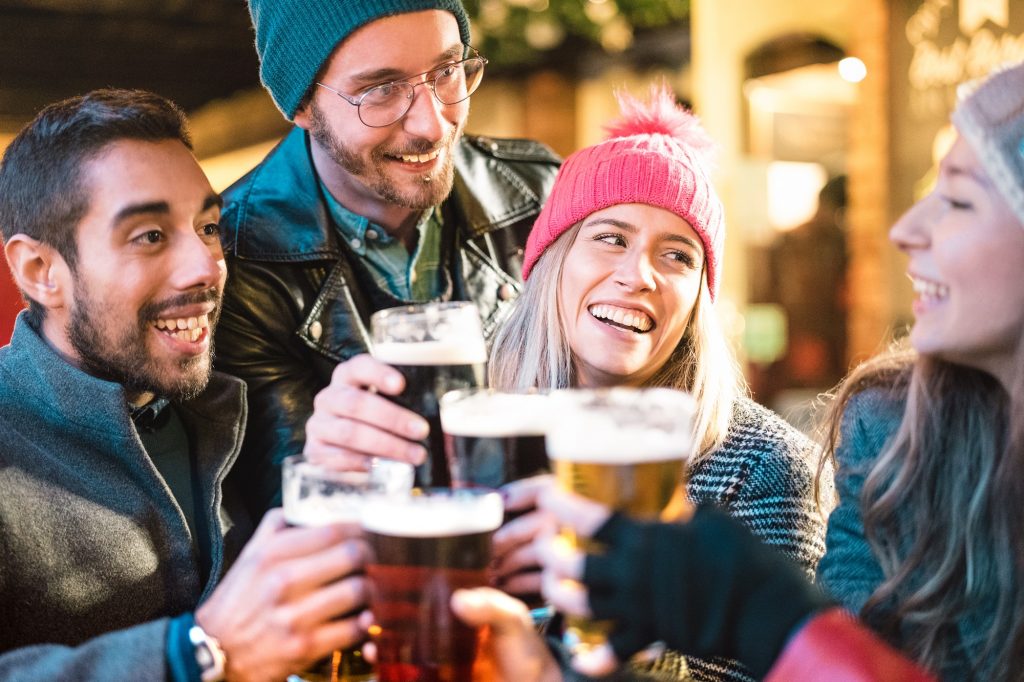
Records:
x=386, y=103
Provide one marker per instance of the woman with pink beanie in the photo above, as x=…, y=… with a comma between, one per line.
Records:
x=622, y=269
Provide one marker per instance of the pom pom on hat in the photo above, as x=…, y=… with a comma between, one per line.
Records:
x=656, y=153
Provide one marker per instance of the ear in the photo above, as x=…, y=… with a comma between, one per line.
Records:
x=40, y=272
x=302, y=118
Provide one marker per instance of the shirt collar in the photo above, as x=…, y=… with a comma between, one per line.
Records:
x=148, y=418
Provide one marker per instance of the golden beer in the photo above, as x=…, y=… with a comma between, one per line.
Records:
x=626, y=449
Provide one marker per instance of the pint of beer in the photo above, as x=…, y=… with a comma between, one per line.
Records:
x=314, y=496
x=627, y=449
x=492, y=438
x=423, y=548
x=438, y=347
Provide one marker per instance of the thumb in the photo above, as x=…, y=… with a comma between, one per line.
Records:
x=486, y=606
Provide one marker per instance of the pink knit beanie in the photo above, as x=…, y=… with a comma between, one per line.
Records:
x=990, y=117
x=655, y=154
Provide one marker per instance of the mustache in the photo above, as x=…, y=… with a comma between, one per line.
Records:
x=151, y=311
x=420, y=145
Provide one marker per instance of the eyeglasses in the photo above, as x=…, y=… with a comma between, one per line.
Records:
x=386, y=103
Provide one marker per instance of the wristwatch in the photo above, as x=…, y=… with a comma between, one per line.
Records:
x=209, y=655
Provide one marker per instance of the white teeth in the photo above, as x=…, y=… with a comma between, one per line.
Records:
x=928, y=290
x=420, y=158
x=185, y=328
x=638, y=320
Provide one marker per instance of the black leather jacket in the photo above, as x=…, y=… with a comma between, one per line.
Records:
x=298, y=301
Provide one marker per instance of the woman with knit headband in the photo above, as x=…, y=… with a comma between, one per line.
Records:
x=926, y=544
x=621, y=271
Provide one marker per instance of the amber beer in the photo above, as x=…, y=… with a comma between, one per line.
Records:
x=423, y=548
x=313, y=496
x=438, y=347
x=492, y=438
x=627, y=449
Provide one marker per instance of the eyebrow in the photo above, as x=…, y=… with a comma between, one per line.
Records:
x=664, y=236
x=161, y=208
x=391, y=74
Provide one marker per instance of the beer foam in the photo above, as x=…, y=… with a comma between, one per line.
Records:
x=496, y=414
x=323, y=511
x=420, y=516
x=447, y=352
x=621, y=426
x=612, y=444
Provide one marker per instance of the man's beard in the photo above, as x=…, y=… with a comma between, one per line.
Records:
x=122, y=356
x=436, y=186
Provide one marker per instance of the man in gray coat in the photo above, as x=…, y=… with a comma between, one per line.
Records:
x=118, y=521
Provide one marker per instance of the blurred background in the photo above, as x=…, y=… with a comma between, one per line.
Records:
x=829, y=118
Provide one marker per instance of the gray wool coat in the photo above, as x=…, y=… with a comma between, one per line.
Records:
x=95, y=553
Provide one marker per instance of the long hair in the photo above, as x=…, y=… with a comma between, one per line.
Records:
x=941, y=509
x=530, y=350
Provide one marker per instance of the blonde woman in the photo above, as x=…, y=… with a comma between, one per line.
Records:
x=926, y=542
x=621, y=274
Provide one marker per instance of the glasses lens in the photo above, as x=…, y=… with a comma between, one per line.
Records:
x=385, y=104
x=458, y=81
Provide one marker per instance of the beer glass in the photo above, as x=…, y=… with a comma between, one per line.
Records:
x=315, y=496
x=627, y=449
x=492, y=437
x=438, y=347
x=423, y=548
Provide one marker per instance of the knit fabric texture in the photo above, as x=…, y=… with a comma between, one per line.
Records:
x=990, y=116
x=294, y=38
x=655, y=155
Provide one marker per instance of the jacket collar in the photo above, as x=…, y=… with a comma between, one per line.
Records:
x=98, y=408
x=280, y=216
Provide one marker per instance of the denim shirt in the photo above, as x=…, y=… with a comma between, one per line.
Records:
x=408, y=277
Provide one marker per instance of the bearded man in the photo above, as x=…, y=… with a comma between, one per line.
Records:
x=118, y=520
x=375, y=199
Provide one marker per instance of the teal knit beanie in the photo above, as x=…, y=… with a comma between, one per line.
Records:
x=295, y=37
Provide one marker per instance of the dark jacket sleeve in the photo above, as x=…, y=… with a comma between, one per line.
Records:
x=849, y=571
x=706, y=588
x=259, y=344
x=136, y=653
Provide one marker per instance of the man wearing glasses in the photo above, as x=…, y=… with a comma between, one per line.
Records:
x=376, y=199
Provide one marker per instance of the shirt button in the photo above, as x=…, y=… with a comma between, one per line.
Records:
x=506, y=292
x=355, y=243
x=371, y=234
x=316, y=330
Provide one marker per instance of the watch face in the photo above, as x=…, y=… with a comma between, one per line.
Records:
x=209, y=656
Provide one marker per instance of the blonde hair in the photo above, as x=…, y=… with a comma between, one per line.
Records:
x=941, y=510
x=530, y=350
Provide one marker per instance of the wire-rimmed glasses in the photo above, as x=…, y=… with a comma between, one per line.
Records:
x=387, y=103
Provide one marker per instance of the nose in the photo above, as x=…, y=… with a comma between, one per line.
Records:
x=426, y=117
x=199, y=262
x=635, y=272
x=911, y=230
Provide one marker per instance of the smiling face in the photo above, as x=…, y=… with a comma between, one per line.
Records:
x=145, y=293
x=966, y=251
x=628, y=288
x=407, y=165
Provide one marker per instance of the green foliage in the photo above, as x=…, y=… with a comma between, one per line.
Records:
x=522, y=33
